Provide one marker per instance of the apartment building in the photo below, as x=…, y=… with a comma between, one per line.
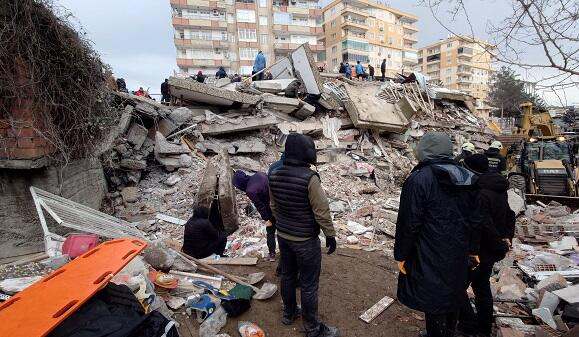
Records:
x=459, y=62
x=369, y=32
x=229, y=33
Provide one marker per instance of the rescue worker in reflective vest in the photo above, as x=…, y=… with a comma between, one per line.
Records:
x=467, y=151
x=497, y=162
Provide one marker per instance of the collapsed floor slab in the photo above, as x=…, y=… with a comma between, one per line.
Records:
x=189, y=90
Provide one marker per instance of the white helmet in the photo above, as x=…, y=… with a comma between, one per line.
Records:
x=496, y=145
x=468, y=147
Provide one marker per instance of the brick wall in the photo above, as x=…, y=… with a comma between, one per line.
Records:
x=18, y=138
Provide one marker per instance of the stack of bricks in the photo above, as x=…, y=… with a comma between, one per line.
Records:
x=19, y=139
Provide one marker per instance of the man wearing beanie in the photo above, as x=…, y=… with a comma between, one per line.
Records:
x=432, y=235
x=301, y=210
x=497, y=229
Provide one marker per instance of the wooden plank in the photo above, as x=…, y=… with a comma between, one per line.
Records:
x=377, y=309
x=231, y=261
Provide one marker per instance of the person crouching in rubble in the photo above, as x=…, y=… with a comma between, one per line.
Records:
x=433, y=235
x=497, y=229
x=467, y=151
x=201, y=238
x=256, y=187
x=301, y=209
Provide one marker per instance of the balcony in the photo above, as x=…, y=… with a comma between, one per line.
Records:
x=282, y=46
x=433, y=58
x=197, y=4
x=355, y=36
x=201, y=23
x=202, y=62
x=466, y=80
x=298, y=10
x=464, y=71
x=355, y=10
x=354, y=24
x=410, y=37
x=408, y=25
x=202, y=44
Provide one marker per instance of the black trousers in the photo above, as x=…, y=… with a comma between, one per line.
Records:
x=166, y=98
x=483, y=320
x=303, y=258
x=270, y=238
x=440, y=325
x=383, y=76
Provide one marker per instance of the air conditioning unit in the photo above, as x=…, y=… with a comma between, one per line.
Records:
x=381, y=29
x=381, y=40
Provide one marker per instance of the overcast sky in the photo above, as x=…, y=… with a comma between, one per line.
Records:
x=136, y=37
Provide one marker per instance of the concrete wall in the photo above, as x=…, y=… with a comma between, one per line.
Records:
x=82, y=181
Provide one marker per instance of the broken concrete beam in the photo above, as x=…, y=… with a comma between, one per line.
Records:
x=171, y=163
x=324, y=144
x=306, y=69
x=246, y=164
x=166, y=127
x=251, y=123
x=227, y=196
x=120, y=129
x=137, y=135
x=309, y=126
x=280, y=103
x=206, y=192
x=272, y=86
x=146, y=109
x=163, y=147
x=190, y=90
x=248, y=146
x=305, y=111
x=133, y=164
x=370, y=112
x=208, y=146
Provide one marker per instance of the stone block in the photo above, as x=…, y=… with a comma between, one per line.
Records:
x=226, y=194
x=130, y=194
x=137, y=135
x=171, y=163
x=133, y=164
x=181, y=116
x=206, y=192
x=166, y=127
x=305, y=111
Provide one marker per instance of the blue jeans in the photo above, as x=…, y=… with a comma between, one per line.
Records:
x=303, y=258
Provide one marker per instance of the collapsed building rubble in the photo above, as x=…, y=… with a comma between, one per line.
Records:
x=162, y=160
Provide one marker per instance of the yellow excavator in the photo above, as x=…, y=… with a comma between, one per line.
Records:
x=541, y=160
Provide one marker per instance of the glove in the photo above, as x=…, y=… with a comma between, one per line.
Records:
x=401, y=267
x=473, y=262
x=331, y=244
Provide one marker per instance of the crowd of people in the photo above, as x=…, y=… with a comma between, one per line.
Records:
x=357, y=71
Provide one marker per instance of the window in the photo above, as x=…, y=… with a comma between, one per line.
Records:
x=334, y=49
x=333, y=36
x=371, y=22
x=390, y=40
x=262, y=3
x=449, y=79
x=333, y=24
x=232, y=37
x=245, y=70
x=230, y=18
x=390, y=28
x=280, y=18
x=448, y=70
x=372, y=36
x=263, y=39
x=263, y=20
x=381, y=25
x=247, y=53
x=247, y=35
x=449, y=45
x=245, y=16
x=334, y=62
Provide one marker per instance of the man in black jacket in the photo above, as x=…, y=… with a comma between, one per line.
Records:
x=166, y=97
x=433, y=235
x=497, y=163
x=201, y=238
x=301, y=210
x=383, y=69
x=498, y=228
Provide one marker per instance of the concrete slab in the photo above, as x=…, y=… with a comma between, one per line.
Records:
x=281, y=103
x=370, y=112
x=163, y=147
x=206, y=192
x=166, y=127
x=309, y=126
x=226, y=194
x=305, y=111
x=190, y=90
x=272, y=86
x=133, y=164
x=251, y=123
x=306, y=69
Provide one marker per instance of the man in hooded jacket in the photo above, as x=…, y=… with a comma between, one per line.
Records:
x=498, y=228
x=301, y=209
x=433, y=235
x=201, y=238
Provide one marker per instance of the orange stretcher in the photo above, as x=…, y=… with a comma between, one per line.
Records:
x=40, y=308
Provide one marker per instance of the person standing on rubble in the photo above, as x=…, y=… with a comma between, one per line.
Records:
x=301, y=209
x=200, y=77
x=258, y=66
x=370, y=72
x=201, y=238
x=497, y=163
x=383, y=69
x=495, y=234
x=221, y=73
x=433, y=235
x=166, y=97
x=348, y=71
x=467, y=151
x=256, y=187
x=342, y=69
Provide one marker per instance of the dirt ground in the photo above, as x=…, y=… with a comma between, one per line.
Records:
x=350, y=283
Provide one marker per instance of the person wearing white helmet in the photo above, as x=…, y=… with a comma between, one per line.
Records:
x=467, y=151
x=497, y=163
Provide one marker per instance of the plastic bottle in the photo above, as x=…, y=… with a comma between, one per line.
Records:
x=248, y=329
x=212, y=325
